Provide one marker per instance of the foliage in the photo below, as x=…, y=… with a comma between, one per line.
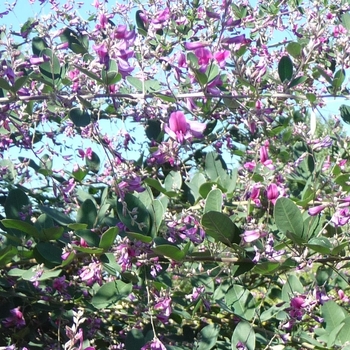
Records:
x=228, y=229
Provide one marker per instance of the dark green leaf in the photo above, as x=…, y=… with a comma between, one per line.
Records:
x=87, y=213
x=38, y=44
x=108, y=238
x=338, y=80
x=15, y=203
x=243, y=334
x=298, y=81
x=241, y=302
x=94, y=163
x=58, y=216
x=207, y=337
x=320, y=245
x=345, y=113
x=48, y=254
x=110, y=293
x=80, y=117
x=285, y=69
x=221, y=228
x=135, y=215
x=170, y=251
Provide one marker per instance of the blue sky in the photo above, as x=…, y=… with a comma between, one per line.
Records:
x=23, y=10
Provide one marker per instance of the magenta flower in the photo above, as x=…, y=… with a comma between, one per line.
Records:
x=15, y=320
x=316, y=210
x=341, y=217
x=272, y=193
x=252, y=235
x=221, y=57
x=181, y=129
x=195, y=45
x=102, y=52
x=204, y=56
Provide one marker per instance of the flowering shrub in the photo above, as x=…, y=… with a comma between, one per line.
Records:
x=168, y=179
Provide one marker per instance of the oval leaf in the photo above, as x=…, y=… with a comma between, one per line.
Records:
x=221, y=228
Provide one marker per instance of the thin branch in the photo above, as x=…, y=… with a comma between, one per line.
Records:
x=140, y=96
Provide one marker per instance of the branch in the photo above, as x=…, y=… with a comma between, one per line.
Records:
x=140, y=96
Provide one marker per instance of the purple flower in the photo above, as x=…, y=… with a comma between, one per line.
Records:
x=15, y=320
x=181, y=129
x=204, y=56
x=164, y=307
x=316, y=210
x=102, y=52
x=195, y=45
x=155, y=344
x=91, y=274
x=252, y=235
x=341, y=217
x=272, y=193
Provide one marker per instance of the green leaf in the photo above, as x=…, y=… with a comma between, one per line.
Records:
x=80, y=117
x=76, y=227
x=15, y=203
x=207, y=337
x=50, y=70
x=173, y=181
x=197, y=180
x=110, y=293
x=157, y=211
x=9, y=172
x=291, y=288
x=333, y=314
x=345, y=20
x=58, y=216
x=170, y=251
x=213, y=201
x=243, y=334
x=140, y=25
x=4, y=84
x=320, y=245
x=134, y=339
x=108, y=238
x=87, y=213
x=338, y=80
x=7, y=254
x=241, y=302
x=74, y=41
x=345, y=113
x=90, y=237
x=344, y=334
x=266, y=267
x=221, y=228
x=135, y=215
x=153, y=129
x=79, y=174
x=215, y=166
x=94, y=163
x=294, y=49
x=48, y=253
x=285, y=69
x=38, y=44
x=298, y=81
x=111, y=76
x=135, y=82
x=139, y=237
x=88, y=73
x=20, y=82
x=289, y=219
x=21, y=226
x=343, y=180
